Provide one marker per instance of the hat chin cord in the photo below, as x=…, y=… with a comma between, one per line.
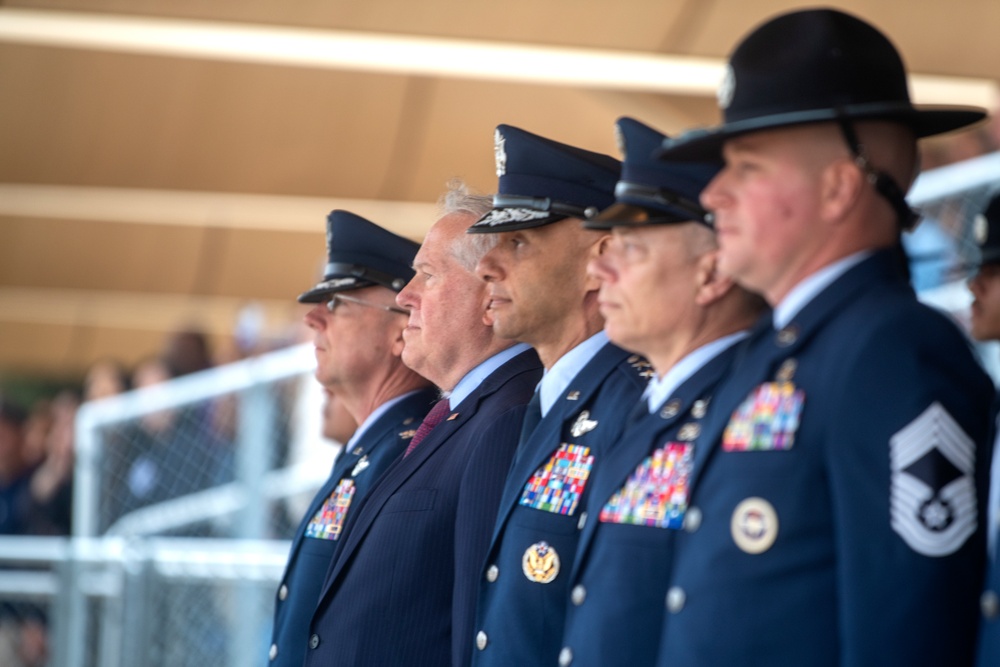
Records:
x=881, y=181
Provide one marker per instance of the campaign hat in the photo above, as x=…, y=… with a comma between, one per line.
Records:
x=812, y=66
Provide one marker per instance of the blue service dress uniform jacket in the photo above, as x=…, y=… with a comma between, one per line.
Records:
x=842, y=488
x=989, y=602
x=523, y=584
x=317, y=538
x=387, y=599
x=638, y=502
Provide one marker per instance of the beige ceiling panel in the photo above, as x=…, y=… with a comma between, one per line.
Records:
x=596, y=23
x=67, y=351
x=107, y=256
x=33, y=349
x=141, y=121
x=457, y=137
x=262, y=264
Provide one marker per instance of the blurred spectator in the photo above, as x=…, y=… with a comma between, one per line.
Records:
x=22, y=633
x=170, y=452
x=36, y=430
x=14, y=471
x=187, y=351
x=51, y=486
x=338, y=424
x=105, y=378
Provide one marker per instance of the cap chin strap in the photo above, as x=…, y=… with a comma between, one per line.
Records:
x=366, y=273
x=881, y=181
x=546, y=204
x=692, y=210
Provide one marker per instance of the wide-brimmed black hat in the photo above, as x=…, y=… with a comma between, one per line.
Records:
x=541, y=181
x=812, y=66
x=986, y=231
x=361, y=254
x=652, y=191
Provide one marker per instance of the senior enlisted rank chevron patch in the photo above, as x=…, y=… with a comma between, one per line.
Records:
x=933, y=493
x=656, y=494
x=557, y=485
x=327, y=523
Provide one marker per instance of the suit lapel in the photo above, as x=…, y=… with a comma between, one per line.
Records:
x=404, y=468
x=379, y=433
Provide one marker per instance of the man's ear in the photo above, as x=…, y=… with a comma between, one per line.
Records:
x=596, y=249
x=710, y=284
x=398, y=344
x=840, y=187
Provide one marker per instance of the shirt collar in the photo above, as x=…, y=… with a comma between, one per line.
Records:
x=476, y=376
x=660, y=389
x=807, y=289
x=373, y=417
x=557, y=378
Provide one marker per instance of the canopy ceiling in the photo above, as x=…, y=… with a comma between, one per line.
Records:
x=149, y=185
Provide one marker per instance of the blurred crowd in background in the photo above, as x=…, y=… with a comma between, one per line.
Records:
x=37, y=454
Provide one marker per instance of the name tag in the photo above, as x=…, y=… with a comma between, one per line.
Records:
x=557, y=485
x=656, y=494
x=327, y=523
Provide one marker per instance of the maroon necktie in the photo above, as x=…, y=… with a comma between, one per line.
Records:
x=433, y=418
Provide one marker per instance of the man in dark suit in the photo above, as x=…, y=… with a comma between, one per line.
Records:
x=663, y=297
x=541, y=294
x=388, y=596
x=358, y=333
x=841, y=469
x=985, y=321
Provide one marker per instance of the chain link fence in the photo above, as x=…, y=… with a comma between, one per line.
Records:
x=185, y=496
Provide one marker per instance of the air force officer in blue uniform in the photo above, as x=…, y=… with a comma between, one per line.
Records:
x=541, y=294
x=358, y=334
x=985, y=321
x=387, y=599
x=841, y=470
x=663, y=297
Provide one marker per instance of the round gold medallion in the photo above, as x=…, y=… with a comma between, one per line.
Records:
x=754, y=525
x=540, y=563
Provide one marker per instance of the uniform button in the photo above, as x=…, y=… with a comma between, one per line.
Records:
x=492, y=572
x=565, y=657
x=273, y=653
x=676, y=597
x=990, y=604
x=578, y=595
x=481, y=640
x=582, y=521
x=692, y=519
x=283, y=592
x=314, y=641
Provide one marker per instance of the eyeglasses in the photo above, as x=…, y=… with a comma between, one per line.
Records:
x=336, y=299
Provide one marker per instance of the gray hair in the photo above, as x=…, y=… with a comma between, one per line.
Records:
x=468, y=248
